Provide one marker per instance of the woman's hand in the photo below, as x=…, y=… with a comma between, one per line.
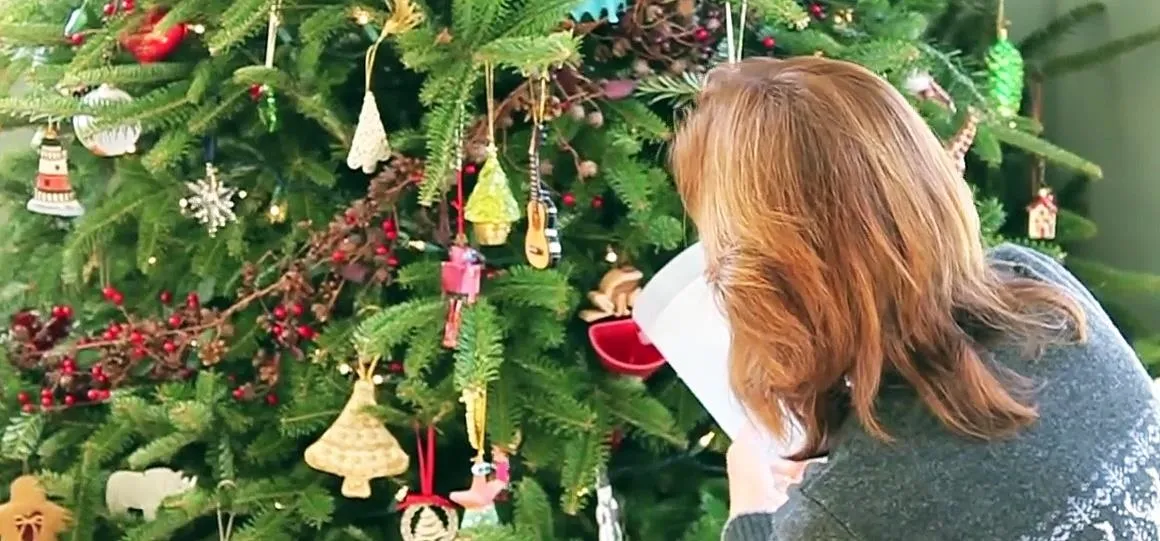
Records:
x=757, y=484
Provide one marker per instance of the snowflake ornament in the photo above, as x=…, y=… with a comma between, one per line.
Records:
x=211, y=203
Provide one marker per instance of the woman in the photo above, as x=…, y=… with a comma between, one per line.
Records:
x=955, y=393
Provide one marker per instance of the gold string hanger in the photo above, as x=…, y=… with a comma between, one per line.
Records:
x=405, y=15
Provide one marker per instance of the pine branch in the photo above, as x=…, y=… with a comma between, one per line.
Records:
x=532, y=517
x=1059, y=27
x=1050, y=152
x=31, y=34
x=241, y=20
x=380, y=333
x=479, y=352
x=582, y=457
x=531, y=54
x=680, y=91
x=1079, y=61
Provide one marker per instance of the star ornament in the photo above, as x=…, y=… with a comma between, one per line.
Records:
x=210, y=202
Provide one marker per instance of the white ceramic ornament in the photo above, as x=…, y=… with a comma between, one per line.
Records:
x=607, y=510
x=144, y=490
x=369, y=146
x=100, y=138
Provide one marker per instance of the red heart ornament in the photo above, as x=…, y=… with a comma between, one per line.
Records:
x=149, y=44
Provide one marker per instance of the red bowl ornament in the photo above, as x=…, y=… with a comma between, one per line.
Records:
x=623, y=349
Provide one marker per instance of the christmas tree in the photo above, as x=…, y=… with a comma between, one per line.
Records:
x=1119, y=290
x=241, y=237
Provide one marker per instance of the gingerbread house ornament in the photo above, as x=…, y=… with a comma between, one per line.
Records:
x=53, y=194
x=1041, y=216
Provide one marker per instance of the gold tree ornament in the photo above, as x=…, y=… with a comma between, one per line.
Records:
x=357, y=447
x=369, y=145
x=28, y=515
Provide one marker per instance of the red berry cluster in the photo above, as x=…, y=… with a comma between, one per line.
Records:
x=66, y=385
x=134, y=348
x=569, y=200
x=286, y=327
x=113, y=7
x=36, y=335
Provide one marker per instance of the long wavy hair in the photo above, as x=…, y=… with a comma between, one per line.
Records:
x=844, y=246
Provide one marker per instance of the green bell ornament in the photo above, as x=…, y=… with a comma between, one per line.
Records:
x=492, y=207
x=1004, y=72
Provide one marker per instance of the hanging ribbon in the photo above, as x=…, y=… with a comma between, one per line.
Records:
x=733, y=48
x=460, y=222
x=225, y=521
x=404, y=17
x=272, y=32
x=489, y=87
x=475, y=400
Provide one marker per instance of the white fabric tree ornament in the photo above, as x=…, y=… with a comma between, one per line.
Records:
x=369, y=146
x=211, y=202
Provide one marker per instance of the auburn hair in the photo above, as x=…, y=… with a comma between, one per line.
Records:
x=844, y=246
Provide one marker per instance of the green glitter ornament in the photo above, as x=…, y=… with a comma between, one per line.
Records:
x=492, y=206
x=1004, y=73
x=268, y=109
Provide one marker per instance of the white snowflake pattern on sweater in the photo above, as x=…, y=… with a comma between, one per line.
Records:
x=1121, y=501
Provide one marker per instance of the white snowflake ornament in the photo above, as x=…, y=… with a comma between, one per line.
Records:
x=210, y=202
x=369, y=146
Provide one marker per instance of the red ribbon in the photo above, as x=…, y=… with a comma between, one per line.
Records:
x=459, y=200
x=426, y=458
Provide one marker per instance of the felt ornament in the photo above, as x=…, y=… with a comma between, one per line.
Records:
x=492, y=207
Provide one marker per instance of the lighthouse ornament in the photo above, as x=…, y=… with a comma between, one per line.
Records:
x=53, y=194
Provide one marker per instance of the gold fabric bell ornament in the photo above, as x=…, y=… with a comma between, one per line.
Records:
x=54, y=194
x=492, y=206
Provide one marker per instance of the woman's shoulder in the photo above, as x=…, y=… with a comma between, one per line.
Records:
x=1032, y=263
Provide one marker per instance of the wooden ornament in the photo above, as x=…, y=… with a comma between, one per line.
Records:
x=1041, y=216
x=144, y=490
x=958, y=145
x=357, y=447
x=615, y=295
x=28, y=515
x=54, y=194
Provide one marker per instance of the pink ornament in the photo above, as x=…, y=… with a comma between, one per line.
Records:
x=462, y=274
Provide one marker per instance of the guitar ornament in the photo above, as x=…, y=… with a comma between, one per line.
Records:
x=542, y=243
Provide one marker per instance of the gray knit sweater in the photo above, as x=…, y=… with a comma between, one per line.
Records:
x=1089, y=469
